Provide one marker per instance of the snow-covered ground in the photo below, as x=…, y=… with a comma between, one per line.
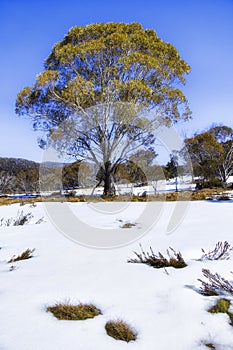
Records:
x=154, y=187
x=163, y=306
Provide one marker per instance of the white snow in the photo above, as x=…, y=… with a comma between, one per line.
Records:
x=230, y=179
x=164, y=307
x=160, y=186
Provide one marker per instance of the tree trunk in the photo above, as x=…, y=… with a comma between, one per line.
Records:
x=109, y=188
x=176, y=184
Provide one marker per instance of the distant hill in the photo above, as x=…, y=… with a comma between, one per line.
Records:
x=15, y=165
x=22, y=175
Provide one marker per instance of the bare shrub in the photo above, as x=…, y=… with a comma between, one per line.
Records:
x=220, y=252
x=27, y=254
x=215, y=285
x=39, y=221
x=223, y=197
x=174, y=259
x=33, y=205
x=20, y=220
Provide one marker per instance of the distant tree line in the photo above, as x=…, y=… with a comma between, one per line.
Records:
x=211, y=153
x=22, y=176
x=18, y=175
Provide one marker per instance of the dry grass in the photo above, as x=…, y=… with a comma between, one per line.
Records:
x=27, y=254
x=158, y=261
x=222, y=306
x=128, y=225
x=210, y=345
x=20, y=220
x=120, y=330
x=8, y=201
x=66, y=311
x=159, y=197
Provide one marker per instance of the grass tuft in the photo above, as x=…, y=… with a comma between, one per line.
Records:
x=66, y=311
x=222, y=306
x=174, y=259
x=27, y=254
x=20, y=220
x=210, y=345
x=120, y=330
x=128, y=225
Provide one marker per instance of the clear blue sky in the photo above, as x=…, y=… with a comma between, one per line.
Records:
x=201, y=30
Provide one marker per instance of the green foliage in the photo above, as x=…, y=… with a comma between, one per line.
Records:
x=211, y=153
x=131, y=172
x=174, y=259
x=213, y=183
x=120, y=330
x=103, y=61
x=66, y=311
x=106, y=64
x=70, y=175
x=27, y=254
x=144, y=157
x=18, y=175
x=171, y=167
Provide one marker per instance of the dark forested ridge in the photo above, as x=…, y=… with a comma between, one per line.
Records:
x=21, y=175
x=13, y=166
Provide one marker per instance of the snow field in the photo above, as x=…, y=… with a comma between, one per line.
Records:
x=163, y=306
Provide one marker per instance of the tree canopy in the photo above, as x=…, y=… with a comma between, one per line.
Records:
x=107, y=64
x=211, y=153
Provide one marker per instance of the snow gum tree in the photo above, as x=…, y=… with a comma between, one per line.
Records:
x=121, y=67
